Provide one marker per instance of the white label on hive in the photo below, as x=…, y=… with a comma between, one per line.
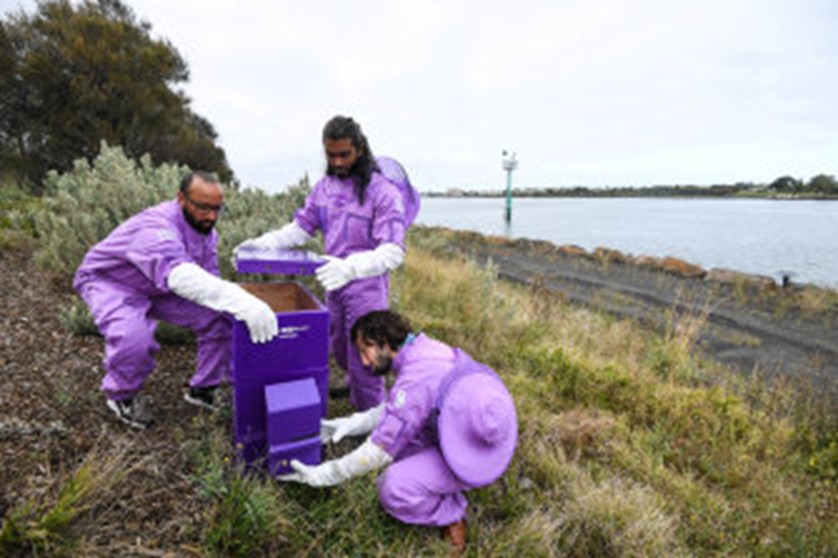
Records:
x=292, y=332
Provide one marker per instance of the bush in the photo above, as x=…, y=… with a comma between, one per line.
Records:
x=82, y=206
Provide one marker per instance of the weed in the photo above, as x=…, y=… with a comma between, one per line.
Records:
x=45, y=526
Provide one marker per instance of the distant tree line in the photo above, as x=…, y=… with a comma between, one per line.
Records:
x=820, y=186
x=73, y=75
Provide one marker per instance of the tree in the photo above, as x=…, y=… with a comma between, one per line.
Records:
x=786, y=184
x=823, y=184
x=78, y=75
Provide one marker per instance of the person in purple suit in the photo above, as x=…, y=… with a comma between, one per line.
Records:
x=162, y=264
x=362, y=217
x=448, y=425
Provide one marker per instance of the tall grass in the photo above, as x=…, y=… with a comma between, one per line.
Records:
x=616, y=456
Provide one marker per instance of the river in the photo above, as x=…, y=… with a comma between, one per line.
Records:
x=766, y=237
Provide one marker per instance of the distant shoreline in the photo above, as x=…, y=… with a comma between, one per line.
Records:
x=644, y=195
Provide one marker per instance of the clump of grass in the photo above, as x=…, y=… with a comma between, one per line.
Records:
x=44, y=525
x=246, y=515
x=615, y=517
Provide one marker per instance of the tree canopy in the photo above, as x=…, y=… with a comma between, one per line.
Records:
x=73, y=76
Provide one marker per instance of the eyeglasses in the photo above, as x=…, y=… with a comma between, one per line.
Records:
x=205, y=208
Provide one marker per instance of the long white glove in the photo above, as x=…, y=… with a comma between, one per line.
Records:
x=337, y=272
x=288, y=236
x=365, y=458
x=356, y=424
x=201, y=287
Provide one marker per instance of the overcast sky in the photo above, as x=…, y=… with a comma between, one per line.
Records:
x=586, y=92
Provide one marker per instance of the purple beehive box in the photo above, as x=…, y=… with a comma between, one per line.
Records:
x=293, y=411
x=279, y=262
x=306, y=451
x=301, y=350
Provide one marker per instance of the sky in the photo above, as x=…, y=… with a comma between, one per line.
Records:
x=584, y=92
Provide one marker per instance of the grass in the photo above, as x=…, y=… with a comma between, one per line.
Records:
x=630, y=444
x=44, y=525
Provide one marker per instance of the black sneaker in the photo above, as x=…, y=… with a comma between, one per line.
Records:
x=132, y=411
x=208, y=397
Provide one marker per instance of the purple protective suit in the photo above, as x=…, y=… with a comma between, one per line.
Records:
x=418, y=487
x=349, y=227
x=123, y=279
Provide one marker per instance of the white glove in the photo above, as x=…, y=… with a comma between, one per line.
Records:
x=356, y=424
x=365, y=458
x=201, y=287
x=337, y=272
x=288, y=236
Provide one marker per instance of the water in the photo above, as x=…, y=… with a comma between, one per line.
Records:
x=766, y=237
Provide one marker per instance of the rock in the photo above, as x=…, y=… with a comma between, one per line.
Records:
x=731, y=277
x=682, y=268
x=571, y=250
x=608, y=255
x=647, y=261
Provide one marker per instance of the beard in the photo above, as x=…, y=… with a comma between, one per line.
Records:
x=203, y=226
x=382, y=365
x=343, y=172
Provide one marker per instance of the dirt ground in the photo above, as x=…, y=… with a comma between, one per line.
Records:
x=52, y=413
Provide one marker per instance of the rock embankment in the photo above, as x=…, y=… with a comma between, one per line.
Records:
x=748, y=321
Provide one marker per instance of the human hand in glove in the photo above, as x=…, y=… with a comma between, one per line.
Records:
x=260, y=319
x=356, y=424
x=363, y=459
x=325, y=474
x=286, y=237
x=335, y=273
x=194, y=283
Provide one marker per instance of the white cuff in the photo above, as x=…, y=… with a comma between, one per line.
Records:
x=386, y=257
x=365, y=458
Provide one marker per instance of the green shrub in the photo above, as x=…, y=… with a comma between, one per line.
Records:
x=81, y=207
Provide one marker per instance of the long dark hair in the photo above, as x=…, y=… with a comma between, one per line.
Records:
x=344, y=127
x=382, y=327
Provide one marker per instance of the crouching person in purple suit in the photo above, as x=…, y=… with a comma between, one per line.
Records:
x=162, y=264
x=447, y=425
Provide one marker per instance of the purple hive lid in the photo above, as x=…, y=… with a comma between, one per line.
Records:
x=285, y=262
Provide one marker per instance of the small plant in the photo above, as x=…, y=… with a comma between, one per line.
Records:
x=245, y=515
x=44, y=526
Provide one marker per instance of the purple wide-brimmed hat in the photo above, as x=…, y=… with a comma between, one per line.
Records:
x=477, y=426
x=395, y=173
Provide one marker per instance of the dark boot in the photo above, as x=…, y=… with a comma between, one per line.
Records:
x=455, y=534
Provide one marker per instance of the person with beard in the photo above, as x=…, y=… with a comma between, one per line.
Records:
x=162, y=264
x=362, y=217
x=448, y=425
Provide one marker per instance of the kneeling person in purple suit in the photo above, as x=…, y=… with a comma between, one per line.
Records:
x=447, y=425
x=162, y=264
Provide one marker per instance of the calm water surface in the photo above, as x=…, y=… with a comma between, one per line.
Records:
x=767, y=237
